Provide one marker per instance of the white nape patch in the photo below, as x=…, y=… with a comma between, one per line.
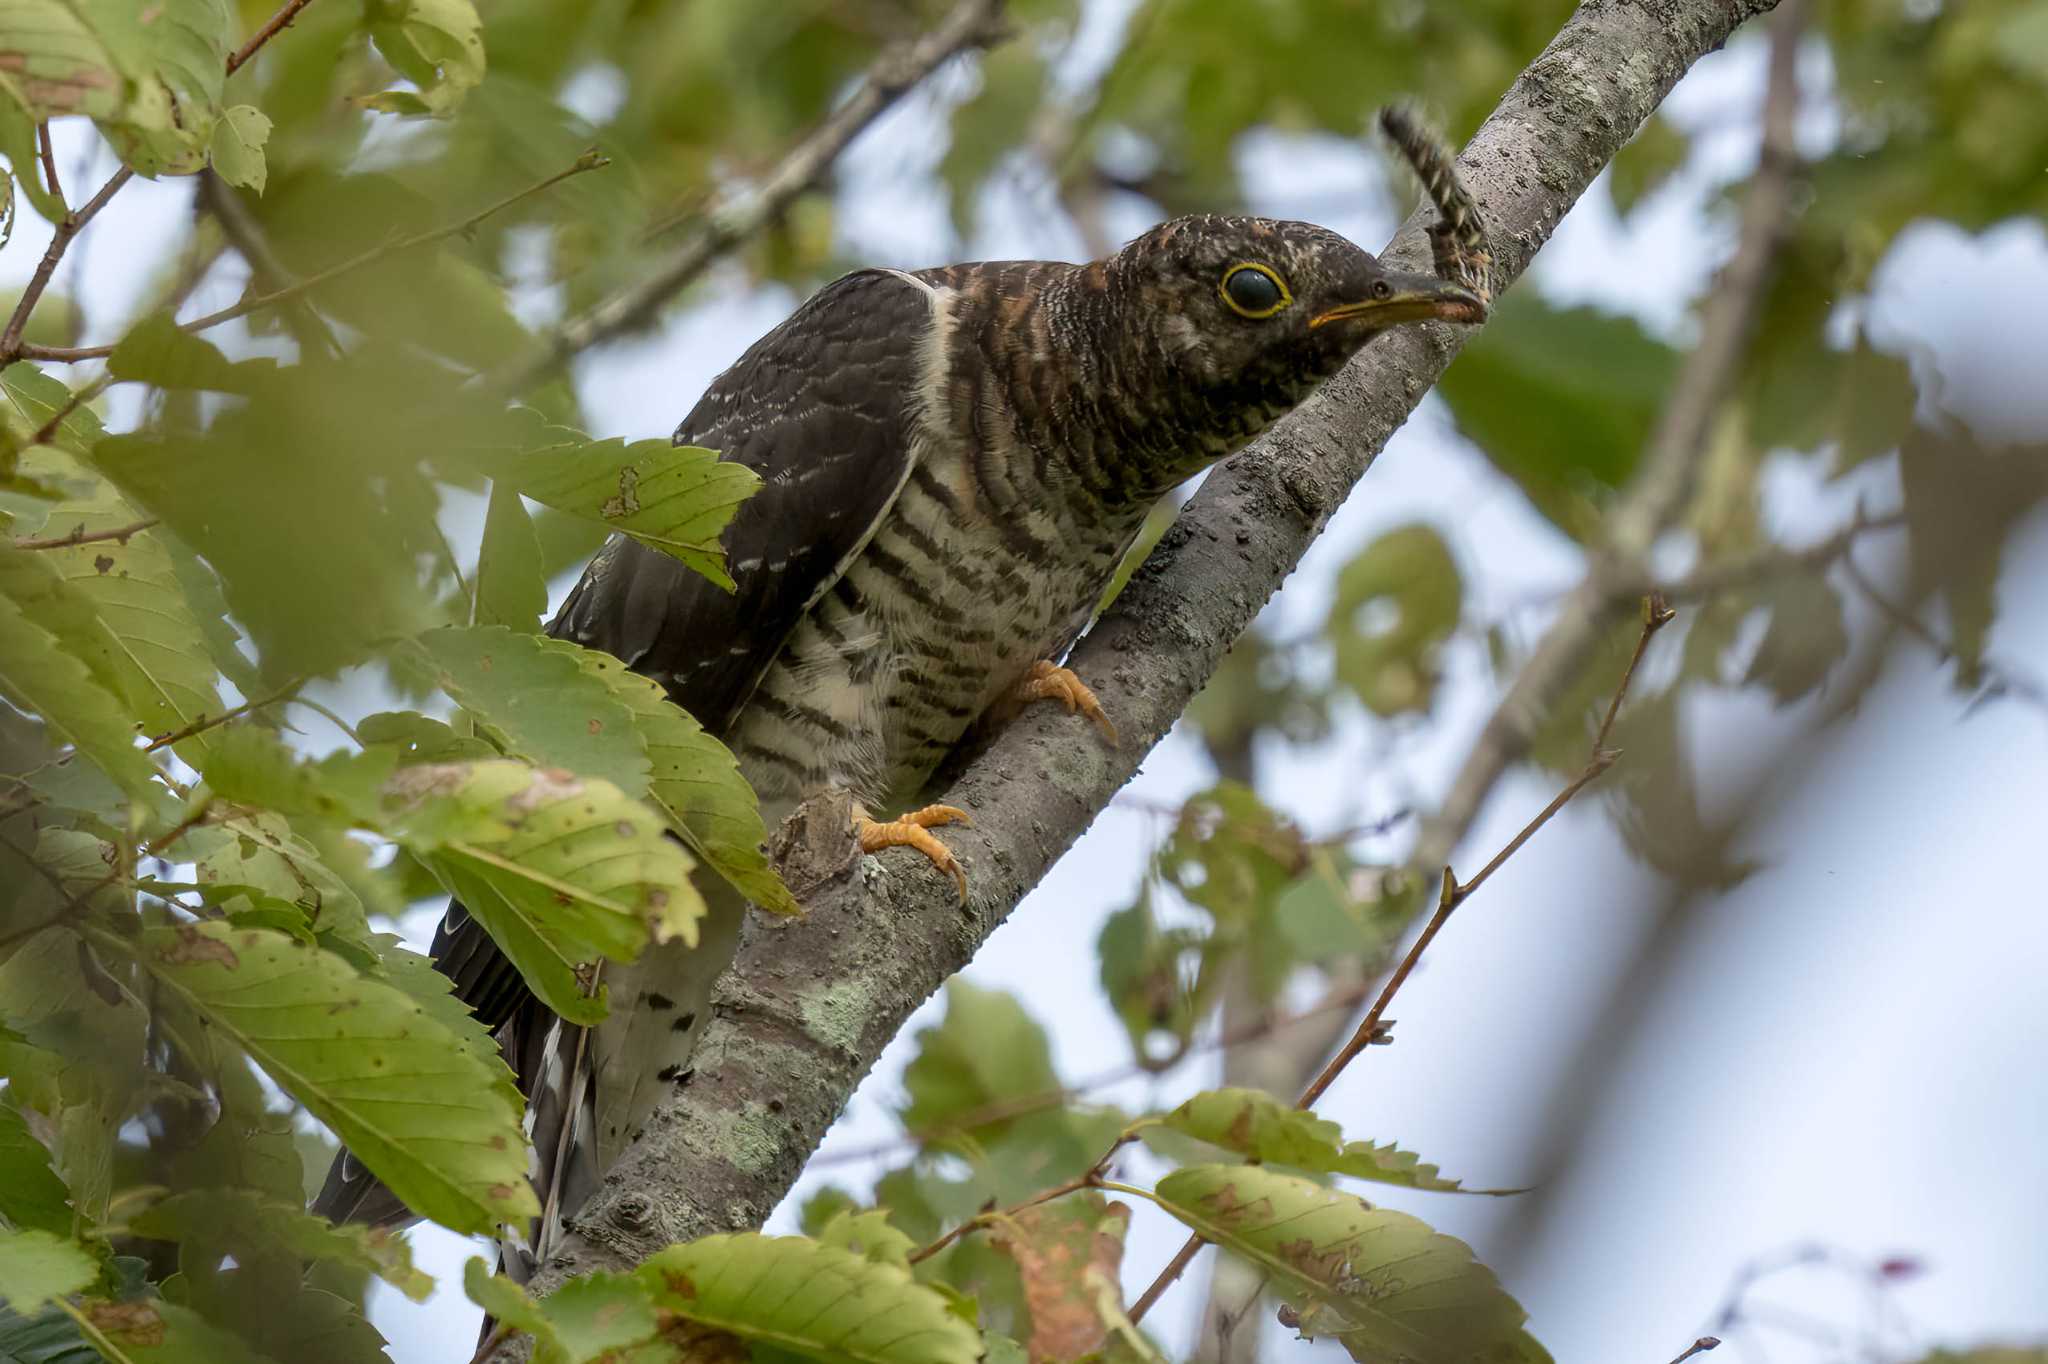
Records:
x=932, y=291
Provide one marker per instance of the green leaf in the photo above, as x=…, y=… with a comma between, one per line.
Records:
x=174, y=56
x=438, y=45
x=1380, y=1281
x=812, y=1300
x=36, y=1267
x=18, y=145
x=31, y=1195
x=560, y=869
x=158, y=351
x=677, y=499
x=507, y=1302
x=401, y=1090
x=867, y=1233
x=51, y=64
x=245, y=1222
x=238, y=146
x=986, y=1049
x=1259, y=1127
x=153, y=1331
x=435, y=992
x=1808, y=635
x=695, y=782
x=41, y=677
x=1651, y=157
x=510, y=588
x=1392, y=664
x=418, y=738
x=1561, y=400
x=259, y=848
x=253, y=767
x=545, y=708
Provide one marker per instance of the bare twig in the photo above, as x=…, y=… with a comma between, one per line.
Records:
x=204, y=723
x=1656, y=615
x=50, y=163
x=589, y=161
x=971, y=24
x=241, y=55
x=82, y=536
x=1698, y=1347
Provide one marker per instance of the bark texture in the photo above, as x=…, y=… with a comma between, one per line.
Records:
x=810, y=1003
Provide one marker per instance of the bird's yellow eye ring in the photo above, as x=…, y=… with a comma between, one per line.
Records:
x=1253, y=290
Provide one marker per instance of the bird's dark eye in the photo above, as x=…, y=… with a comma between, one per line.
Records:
x=1382, y=289
x=1254, y=291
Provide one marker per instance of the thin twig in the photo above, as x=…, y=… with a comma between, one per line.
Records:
x=50, y=164
x=1656, y=615
x=971, y=24
x=1698, y=1347
x=204, y=723
x=1074, y=1185
x=79, y=398
x=82, y=536
x=241, y=55
x=11, y=347
x=589, y=161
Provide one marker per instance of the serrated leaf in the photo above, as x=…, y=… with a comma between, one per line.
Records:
x=676, y=499
x=695, y=781
x=41, y=677
x=260, y=848
x=244, y=1222
x=1408, y=576
x=418, y=738
x=1066, y=1250
x=511, y=590
x=812, y=1300
x=560, y=869
x=867, y=1233
x=157, y=351
x=546, y=708
x=36, y=1266
x=411, y=1103
x=1259, y=1127
x=1389, y=1288
x=31, y=1195
x=435, y=992
x=438, y=45
x=238, y=141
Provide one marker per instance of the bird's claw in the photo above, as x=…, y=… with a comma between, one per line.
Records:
x=913, y=830
x=1047, y=681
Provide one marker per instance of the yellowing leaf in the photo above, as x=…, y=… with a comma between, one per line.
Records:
x=36, y=1267
x=1064, y=1250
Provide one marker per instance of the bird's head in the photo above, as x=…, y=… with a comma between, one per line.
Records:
x=1251, y=305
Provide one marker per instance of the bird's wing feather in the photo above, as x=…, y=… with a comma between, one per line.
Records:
x=822, y=409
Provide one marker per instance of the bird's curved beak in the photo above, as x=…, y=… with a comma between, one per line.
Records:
x=1414, y=298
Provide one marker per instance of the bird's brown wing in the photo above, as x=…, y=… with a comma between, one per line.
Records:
x=821, y=409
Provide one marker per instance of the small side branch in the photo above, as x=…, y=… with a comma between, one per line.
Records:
x=971, y=24
x=82, y=536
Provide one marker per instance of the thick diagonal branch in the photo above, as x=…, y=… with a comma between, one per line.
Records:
x=810, y=1003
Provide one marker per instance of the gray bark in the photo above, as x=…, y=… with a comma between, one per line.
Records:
x=810, y=1003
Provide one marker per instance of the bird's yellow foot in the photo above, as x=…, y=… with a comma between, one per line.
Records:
x=1047, y=681
x=914, y=831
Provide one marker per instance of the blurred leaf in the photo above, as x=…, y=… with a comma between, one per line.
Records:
x=1380, y=1281
x=1391, y=663
x=174, y=56
x=31, y=1195
x=54, y=65
x=1066, y=1251
x=36, y=1267
x=1960, y=501
x=560, y=870
x=676, y=499
x=814, y=1300
x=1561, y=400
x=1807, y=636
x=1878, y=397
x=40, y=676
x=509, y=589
x=866, y=1234
x=695, y=782
x=420, y=739
x=986, y=1049
x=157, y=351
x=531, y=694
x=245, y=1224
x=438, y=45
x=412, y=1104
x=1259, y=1127
x=238, y=146
x=997, y=119
x=1649, y=159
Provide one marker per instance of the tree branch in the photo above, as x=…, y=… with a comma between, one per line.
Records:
x=811, y=1002
x=971, y=24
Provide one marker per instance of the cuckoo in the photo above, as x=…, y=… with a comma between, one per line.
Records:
x=953, y=462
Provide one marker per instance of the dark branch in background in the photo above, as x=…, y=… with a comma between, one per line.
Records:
x=11, y=348
x=1656, y=615
x=1617, y=570
x=589, y=161
x=726, y=223
x=49, y=161
x=811, y=1002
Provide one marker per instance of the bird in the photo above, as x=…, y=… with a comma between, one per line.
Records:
x=952, y=462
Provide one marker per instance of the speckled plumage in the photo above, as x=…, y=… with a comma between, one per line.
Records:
x=953, y=461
